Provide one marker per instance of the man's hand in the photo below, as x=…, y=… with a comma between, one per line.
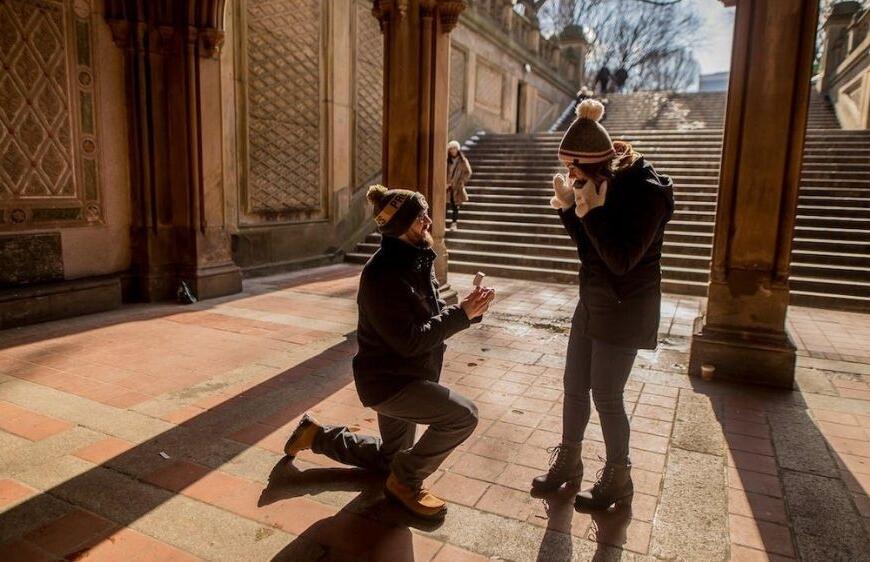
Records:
x=477, y=302
x=589, y=197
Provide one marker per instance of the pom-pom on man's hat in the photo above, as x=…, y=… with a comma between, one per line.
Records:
x=395, y=210
x=586, y=141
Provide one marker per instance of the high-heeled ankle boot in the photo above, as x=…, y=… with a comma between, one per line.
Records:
x=614, y=486
x=566, y=466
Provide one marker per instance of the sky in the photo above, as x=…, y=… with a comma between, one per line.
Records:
x=714, y=51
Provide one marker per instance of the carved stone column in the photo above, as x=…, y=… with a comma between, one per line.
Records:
x=743, y=334
x=174, y=117
x=416, y=98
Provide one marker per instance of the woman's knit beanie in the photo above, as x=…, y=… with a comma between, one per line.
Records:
x=395, y=210
x=586, y=141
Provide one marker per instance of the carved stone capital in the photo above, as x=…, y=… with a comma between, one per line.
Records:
x=201, y=22
x=449, y=11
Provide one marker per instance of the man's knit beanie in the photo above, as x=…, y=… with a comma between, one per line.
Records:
x=395, y=210
x=586, y=141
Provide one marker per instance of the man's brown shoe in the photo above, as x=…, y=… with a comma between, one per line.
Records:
x=303, y=436
x=421, y=503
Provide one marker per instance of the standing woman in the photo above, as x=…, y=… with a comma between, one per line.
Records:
x=614, y=206
x=458, y=173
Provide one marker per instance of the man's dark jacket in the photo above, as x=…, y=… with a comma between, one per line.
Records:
x=620, y=250
x=402, y=321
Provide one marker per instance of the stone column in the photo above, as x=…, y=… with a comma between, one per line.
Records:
x=416, y=98
x=743, y=334
x=179, y=231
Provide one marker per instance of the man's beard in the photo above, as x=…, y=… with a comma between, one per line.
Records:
x=421, y=240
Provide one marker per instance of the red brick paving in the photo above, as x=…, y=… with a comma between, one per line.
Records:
x=520, y=405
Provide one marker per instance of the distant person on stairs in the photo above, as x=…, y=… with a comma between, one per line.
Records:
x=402, y=326
x=614, y=206
x=602, y=80
x=458, y=174
x=620, y=77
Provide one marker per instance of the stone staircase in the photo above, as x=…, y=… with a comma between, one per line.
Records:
x=508, y=229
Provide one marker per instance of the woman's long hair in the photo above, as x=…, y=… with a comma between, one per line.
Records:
x=624, y=157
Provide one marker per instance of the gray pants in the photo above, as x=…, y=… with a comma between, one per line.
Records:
x=451, y=419
x=604, y=369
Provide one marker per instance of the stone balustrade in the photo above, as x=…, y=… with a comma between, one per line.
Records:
x=526, y=33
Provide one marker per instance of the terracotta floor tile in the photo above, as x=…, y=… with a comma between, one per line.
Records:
x=506, y=502
x=532, y=404
x=509, y=432
x=753, y=462
x=23, y=551
x=459, y=489
x=654, y=427
x=761, y=535
x=475, y=466
x=747, y=428
x=518, y=477
x=176, y=475
x=648, y=442
x=737, y=442
x=756, y=506
x=31, y=425
x=654, y=412
x=757, y=482
x=745, y=554
x=103, y=450
x=830, y=429
x=12, y=491
x=72, y=532
x=643, y=506
x=494, y=448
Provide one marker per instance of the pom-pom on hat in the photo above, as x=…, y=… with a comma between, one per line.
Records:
x=395, y=210
x=586, y=141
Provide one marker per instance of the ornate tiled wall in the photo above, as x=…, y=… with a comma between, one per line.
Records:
x=49, y=170
x=368, y=96
x=283, y=137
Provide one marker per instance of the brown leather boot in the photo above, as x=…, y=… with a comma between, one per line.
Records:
x=421, y=502
x=303, y=436
x=614, y=486
x=566, y=467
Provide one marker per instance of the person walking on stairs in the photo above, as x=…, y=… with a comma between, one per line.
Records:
x=614, y=206
x=458, y=174
x=402, y=326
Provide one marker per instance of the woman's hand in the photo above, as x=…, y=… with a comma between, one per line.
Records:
x=589, y=197
x=563, y=198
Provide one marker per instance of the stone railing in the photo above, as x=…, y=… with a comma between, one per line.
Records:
x=845, y=71
x=525, y=33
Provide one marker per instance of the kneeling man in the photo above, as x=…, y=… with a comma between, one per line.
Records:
x=402, y=327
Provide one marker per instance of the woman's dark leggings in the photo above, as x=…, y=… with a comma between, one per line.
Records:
x=603, y=369
x=454, y=207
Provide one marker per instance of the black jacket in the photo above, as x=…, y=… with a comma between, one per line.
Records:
x=620, y=250
x=402, y=321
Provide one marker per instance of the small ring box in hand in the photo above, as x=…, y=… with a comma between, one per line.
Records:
x=478, y=279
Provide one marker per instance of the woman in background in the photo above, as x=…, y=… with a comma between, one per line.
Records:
x=458, y=173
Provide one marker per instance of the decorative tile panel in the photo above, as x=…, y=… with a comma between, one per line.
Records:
x=48, y=137
x=283, y=108
x=458, y=83
x=489, y=86
x=369, y=92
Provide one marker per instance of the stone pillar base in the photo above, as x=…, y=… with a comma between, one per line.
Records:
x=742, y=356
x=216, y=281
x=25, y=305
x=448, y=293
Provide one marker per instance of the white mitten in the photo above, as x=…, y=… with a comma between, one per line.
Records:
x=589, y=197
x=564, y=197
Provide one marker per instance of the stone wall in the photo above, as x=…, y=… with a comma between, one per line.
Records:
x=498, y=84
x=308, y=102
x=845, y=67
x=64, y=179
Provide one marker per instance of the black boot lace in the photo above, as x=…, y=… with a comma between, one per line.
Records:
x=604, y=479
x=557, y=458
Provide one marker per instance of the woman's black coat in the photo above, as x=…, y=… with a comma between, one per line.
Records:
x=620, y=250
